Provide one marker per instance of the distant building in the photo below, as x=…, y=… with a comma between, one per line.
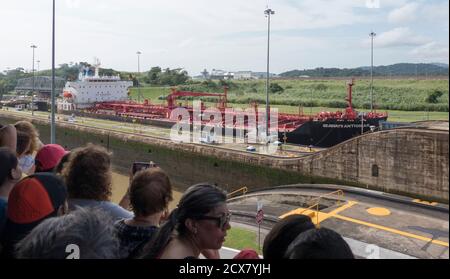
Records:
x=239, y=75
x=261, y=75
x=205, y=74
x=220, y=74
x=243, y=75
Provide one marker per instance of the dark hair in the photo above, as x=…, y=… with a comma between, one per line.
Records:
x=283, y=233
x=28, y=128
x=23, y=143
x=8, y=136
x=150, y=192
x=320, y=243
x=8, y=162
x=88, y=174
x=197, y=201
x=60, y=166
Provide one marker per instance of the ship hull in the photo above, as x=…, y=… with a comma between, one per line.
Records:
x=329, y=132
x=315, y=133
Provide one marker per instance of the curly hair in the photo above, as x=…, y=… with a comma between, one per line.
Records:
x=88, y=173
x=28, y=128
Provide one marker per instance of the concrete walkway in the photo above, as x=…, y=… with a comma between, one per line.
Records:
x=374, y=227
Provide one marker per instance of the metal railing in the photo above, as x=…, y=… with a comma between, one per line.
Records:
x=316, y=205
x=338, y=193
x=244, y=191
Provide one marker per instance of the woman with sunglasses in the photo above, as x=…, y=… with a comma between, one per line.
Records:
x=198, y=225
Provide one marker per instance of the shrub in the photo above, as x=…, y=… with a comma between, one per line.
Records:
x=275, y=88
x=433, y=97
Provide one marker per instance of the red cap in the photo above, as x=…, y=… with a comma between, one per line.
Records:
x=35, y=197
x=49, y=156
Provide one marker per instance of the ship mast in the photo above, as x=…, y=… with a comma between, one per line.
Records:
x=349, y=97
x=349, y=111
x=97, y=67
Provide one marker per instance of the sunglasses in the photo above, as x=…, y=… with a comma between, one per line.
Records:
x=222, y=221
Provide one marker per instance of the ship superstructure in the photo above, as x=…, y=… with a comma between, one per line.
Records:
x=88, y=90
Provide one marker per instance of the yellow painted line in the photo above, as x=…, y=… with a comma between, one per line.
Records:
x=297, y=211
x=410, y=235
x=317, y=216
x=342, y=208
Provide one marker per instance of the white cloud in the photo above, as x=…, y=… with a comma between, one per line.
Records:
x=196, y=34
x=437, y=13
x=432, y=52
x=313, y=14
x=393, y=3
x=397, y=37
x=406, y=13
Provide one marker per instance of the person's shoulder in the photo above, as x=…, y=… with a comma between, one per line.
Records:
x=111, y=205
x=82, y=203
x=119, y=224
x=117, y=211
x=3, y=204
x=121, y=228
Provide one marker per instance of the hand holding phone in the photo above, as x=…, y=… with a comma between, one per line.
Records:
x=138, y=166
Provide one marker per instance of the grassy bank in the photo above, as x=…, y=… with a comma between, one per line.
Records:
x=239, y=239
x=389, y=94
x=396, y=91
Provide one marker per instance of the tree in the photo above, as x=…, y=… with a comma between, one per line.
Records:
x=434, y=96
x=153, y=76
x=168, y=77
x=275, y=88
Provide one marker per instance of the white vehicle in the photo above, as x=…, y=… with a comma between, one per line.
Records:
x=209, y=139
x=251, y=148
x=277, y=143
x=20, y=107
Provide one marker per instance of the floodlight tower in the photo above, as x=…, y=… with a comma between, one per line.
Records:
x=372, y=35
x=137, y=78
x=268, y=13
x=53, y=124
x=32, y=92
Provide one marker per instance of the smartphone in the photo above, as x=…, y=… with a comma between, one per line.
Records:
x=138, y=166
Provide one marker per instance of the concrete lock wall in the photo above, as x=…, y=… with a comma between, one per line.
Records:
x=185, y=164
x=405, y=161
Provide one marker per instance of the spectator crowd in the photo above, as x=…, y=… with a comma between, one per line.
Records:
x=56, y=204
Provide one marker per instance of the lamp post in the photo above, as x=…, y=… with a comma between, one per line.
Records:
x=372, y=35
x=39, y=61
x=53, y=125
x=32, y=92
x=268, y=13
x=139, y=72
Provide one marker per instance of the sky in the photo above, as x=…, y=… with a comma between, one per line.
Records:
x=230, y=35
